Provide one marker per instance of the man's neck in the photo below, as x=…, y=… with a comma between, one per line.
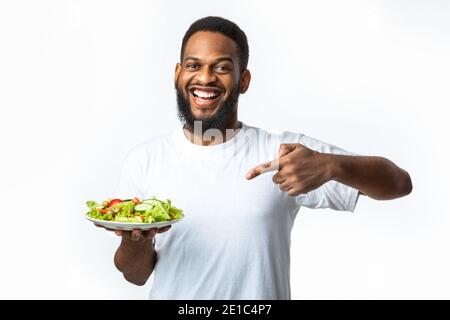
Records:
x=212, y=136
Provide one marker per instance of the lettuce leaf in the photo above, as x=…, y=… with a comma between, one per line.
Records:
x=160, y=211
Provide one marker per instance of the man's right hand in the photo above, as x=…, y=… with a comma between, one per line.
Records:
x=136, y=257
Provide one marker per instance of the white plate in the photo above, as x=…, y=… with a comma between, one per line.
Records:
x=128, y=226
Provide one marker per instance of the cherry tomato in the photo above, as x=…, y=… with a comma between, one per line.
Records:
x=114, y=201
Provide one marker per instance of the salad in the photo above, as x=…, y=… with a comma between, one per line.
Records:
x=134, y=210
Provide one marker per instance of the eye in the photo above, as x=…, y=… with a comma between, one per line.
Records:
x=222, y=68
x=192, y=66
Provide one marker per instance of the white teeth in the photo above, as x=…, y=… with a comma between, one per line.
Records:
x=205, y=94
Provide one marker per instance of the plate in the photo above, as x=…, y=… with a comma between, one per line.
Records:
x=128, y=226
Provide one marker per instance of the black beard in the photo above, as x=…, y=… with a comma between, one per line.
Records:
x=220, y=120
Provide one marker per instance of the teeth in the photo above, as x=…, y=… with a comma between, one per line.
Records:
x=205, y=94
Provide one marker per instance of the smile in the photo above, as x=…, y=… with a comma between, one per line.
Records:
x=205, y=97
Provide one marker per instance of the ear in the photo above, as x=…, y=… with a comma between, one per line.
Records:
x=177, y=74
x=245, y=81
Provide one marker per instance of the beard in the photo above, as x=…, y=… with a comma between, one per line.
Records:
x=219, y=120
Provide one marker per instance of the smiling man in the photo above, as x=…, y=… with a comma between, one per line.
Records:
x=234, y=242
x=210, y=78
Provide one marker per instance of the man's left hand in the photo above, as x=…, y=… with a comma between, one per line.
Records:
x=300, y=169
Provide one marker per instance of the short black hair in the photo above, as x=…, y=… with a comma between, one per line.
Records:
x=225, y=27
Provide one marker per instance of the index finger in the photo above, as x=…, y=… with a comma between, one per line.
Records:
x=263, y=168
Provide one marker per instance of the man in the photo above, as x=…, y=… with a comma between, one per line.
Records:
x=234, y=242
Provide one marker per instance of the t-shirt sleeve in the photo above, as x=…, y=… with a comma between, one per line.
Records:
x=131, y=177
x=333, y=195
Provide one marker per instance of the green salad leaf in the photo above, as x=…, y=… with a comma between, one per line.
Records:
x=91, y=204
x=134, y=210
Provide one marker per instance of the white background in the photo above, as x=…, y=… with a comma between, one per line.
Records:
x=81, y=82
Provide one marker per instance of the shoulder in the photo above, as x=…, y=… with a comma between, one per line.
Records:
x=272, y=138
x=312, y=143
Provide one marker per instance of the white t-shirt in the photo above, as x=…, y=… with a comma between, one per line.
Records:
x=234, y=242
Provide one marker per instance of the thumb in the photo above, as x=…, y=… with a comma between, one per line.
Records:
x=286, y=148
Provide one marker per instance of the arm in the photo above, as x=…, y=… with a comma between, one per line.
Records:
x=376, y=177
x=301, y=170
x=136, y=256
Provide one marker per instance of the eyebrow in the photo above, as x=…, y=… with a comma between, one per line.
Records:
x=222, y=58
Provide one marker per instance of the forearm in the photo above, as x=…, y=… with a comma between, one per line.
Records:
x=136, y=261
x=375, y=177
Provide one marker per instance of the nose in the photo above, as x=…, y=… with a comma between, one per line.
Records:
x=206, y=75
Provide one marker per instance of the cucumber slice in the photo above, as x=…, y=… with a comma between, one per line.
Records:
x=143, y=207
x=153, y=202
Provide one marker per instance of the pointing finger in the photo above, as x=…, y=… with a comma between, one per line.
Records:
x=263, y=168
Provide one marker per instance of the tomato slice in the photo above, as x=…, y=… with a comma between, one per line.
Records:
x=114, y=201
